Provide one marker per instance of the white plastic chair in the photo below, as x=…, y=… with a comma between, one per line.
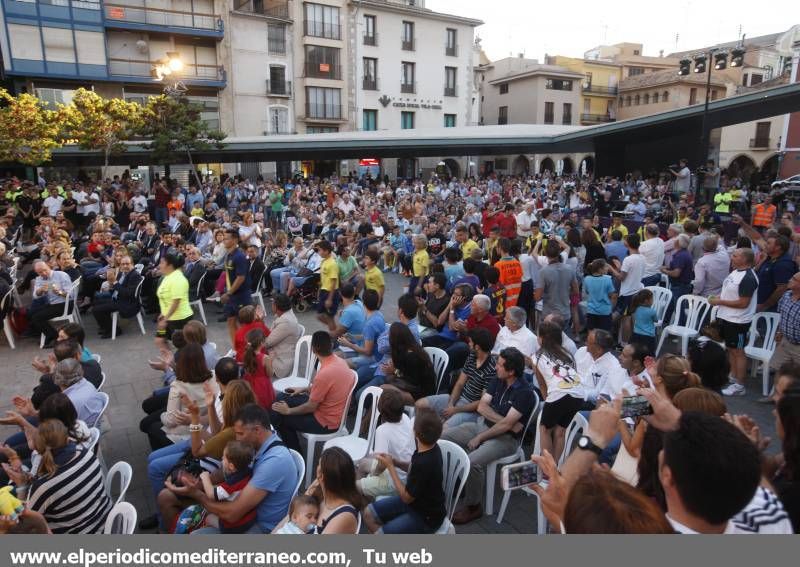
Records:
x=94, y=438
x=575, y=429
x=353, y=444
x=296, y=379
x=516, y=456
x=9, y=331
x=456, y=466
x=102, y=379
x=199, y=302
x=694, y=309
x=662, y=297
x=541, y=523
x=139, y=268
x=258, y=294
x=664, y=282
x=762, y=354
x=102, y=411
x=71, y=316
x=139, y=318
x=713, y=314
x=313, y=438
x=125, y=473
x=440, y=360
x=97, y=358
x=301, y=470
x=121, y=520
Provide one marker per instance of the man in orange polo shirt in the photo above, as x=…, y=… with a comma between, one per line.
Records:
x=320, y=409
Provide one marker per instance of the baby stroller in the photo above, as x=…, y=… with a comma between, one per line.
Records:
x=305, y=296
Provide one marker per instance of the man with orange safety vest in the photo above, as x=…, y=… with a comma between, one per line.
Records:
x=764, y=214
x=510, y=272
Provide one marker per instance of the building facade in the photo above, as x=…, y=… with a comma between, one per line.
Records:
x=598, y=87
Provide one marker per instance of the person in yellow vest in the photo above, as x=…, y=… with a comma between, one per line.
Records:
x=722, y=201
x=510, y=272
x=764, y=214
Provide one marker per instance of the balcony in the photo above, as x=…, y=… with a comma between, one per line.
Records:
x=276, y=46
x=140, y=18
x=407, y=44
x=314, y=28
x=595, y=89
x=371, y=39
x=323, y=70
x=279, y=88
x=408, y=88
x=141, y=71
x=760, y=143
x=323, y=112
x=449, y=91
x=451, y=50
x=271, y=8
x=596, y=118
x=369, y=84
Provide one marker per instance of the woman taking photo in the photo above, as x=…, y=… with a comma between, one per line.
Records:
x=173, y=298
x=410, y=370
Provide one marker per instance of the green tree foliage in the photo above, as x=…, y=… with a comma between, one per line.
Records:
x=28, y=130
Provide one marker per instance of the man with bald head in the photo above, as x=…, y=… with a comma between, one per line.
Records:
x=711, y=269
x=50, y=290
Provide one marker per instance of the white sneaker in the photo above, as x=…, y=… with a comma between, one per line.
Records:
x=734, y=389
x=214, y=297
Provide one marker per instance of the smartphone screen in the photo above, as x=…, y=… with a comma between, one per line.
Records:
x=521, y=474
x=635, y=406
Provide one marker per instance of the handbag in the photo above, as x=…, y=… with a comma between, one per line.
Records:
x=189, y=464
x=304, y=272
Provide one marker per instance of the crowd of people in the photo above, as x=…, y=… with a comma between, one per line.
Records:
x=544, y=292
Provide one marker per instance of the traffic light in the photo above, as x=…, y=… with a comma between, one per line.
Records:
x=683, y=67
x=737, y=57
x=720, y=61
x=700, y=64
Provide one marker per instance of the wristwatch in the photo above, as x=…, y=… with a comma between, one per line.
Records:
x=588, y=445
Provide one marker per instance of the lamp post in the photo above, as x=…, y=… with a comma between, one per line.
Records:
x=168, y=71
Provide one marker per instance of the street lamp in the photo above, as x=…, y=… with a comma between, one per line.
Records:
x=168, y=70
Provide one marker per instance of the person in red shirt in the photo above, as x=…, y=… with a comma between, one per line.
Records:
x=507, y=223
x=480, y=316
x=258, y=368
x=488, y=217
x=250, y=318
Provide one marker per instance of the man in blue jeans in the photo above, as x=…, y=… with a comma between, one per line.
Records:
x=162, y=461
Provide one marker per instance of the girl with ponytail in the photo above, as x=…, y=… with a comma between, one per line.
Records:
x=257, y=367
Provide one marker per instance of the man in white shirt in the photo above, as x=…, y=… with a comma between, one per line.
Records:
x=630, y=275
x=524, y=220
x=516, y=334
x=92, y=205
x=652, y=250
x=683, y=177
x=711, y=269
x=80, y=197
x=53, y=202
x=602, y=375
x=139, y=202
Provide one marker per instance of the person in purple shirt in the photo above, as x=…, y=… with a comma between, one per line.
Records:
x=680, y=272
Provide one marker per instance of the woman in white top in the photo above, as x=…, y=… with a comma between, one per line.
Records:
x=560, y=384
x=250, y=232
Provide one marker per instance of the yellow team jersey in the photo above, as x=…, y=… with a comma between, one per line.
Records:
x=329, y=273
x=421, y=263
x=468, y=247
x=622, y=228
x=373, y=279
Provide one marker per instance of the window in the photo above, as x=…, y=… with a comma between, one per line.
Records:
x=322, y=62
x=449, y=120
x=370, y=37
x=635, y=71
x=86, y=4
x=558, y=85
x=587, y=106
x=323, y=103
x=322, y=21
x=566, y=118
x=91, y=47
x=370, y=74
x=502, y=115
x=24, y=42
x=58, y=45
x=370, y=120
x=449, y=81
x=321, y=129
x=693, y=95
x=762, y=135
x=276, y=39
x=407, y=120
x=647, y=98
x=636, y=52
x=450, y=47
x=408, y=36
x=756, y=78
x=279, y=120
x=744, y=79
x=588, y=80
x=209, y=109
x=637, y=100
x=655, y=98
x=277, y=80
x=501, y=163
x=665, y=96
x=52, y=97
x=549, y=109
x=504, y=88
x=407, y=77
x=714, y=95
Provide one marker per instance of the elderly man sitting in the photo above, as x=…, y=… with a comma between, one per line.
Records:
x=516, y=334
x=480, y=317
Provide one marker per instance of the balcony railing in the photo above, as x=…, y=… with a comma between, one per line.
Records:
x=596, y=118
x=370, y=84
x=161, y=17
x=371, y=39
x=316, y=28
x=451, y=50
x=760, y=143
x=407, y=44
x=276, y=10
x=408, y=88
x=279, y=88
x=323, y=70
x=276, y=46
x=190, y=71
x=594, y=89
x=449, y=91
x=323, y=111
x=502, y=120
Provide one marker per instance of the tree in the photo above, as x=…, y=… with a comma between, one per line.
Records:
x=28, y=130
x=174, y=128
x=103, y=124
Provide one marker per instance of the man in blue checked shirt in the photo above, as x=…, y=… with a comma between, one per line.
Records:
x=788, y=336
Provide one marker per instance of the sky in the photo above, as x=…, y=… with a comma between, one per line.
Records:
x=573, y=26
